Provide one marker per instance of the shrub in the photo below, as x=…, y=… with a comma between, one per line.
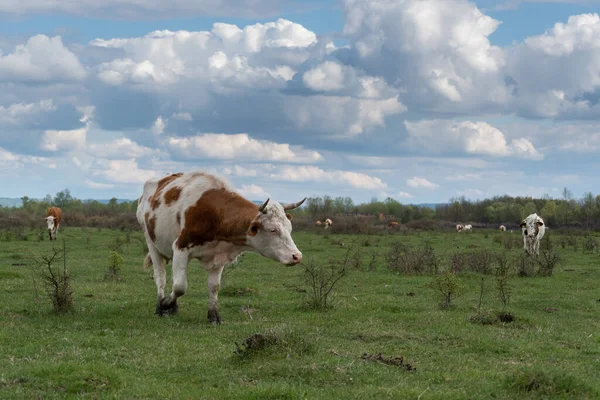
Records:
x=547, y=261
x=57, y=281
x=321, y=281
x=525, y=265
x=590, y=244
x=480, y=261
x=447, y=288
x=411, y=260
x=115, y=261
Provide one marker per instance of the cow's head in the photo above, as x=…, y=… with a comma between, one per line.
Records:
x=50, y=223
x=531, y=226
x=270, y=233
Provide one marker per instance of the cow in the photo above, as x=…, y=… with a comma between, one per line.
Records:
x=196, y=215
x=328, y=223
x=318, y=223
x=393, y=224
x=53, y=218
x=533, y=231
x=459, y=228
x=468, y=228
x=502, y=228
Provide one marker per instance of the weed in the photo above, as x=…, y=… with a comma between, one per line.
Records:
x=547, y=261
x=321, y=281
x=115, y=261
x=58, y=282
x=447, y=288
x=373, y=261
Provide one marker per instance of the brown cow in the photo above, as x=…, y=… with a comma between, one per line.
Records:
x=393, y=224
x=53, y=218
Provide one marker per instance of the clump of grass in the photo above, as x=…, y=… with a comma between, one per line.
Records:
x=447, y=289
x=115, y=262
x=549, y=384
x=373, y=260
x=272, y=343
x=116, y=245
x=57, y=281
x=232, y=291
x=320, y=282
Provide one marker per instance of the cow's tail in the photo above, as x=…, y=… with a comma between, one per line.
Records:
x=147, y=261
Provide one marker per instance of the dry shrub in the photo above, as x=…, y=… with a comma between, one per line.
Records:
x=447, y=288
x=413, y=260
x=423, y=224
x=480, y=261
x=57, y=281
x=547, y=261
x=590, y=244
x=320, y=282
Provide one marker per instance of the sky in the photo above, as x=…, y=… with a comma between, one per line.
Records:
x=418, y=100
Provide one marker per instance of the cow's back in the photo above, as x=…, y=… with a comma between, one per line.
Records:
x=56, y=213
x=161, y=210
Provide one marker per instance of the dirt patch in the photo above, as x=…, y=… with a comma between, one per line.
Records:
x=506, y=317
x=395, y=361
x=550, y=309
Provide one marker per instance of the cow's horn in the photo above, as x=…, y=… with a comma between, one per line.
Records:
x=262, y=208
x=291, y=206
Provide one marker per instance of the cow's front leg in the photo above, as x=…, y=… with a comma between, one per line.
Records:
x=214, y=283
x=180, y=262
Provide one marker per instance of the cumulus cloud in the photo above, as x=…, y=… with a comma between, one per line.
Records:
x=159, y=126
x=98, y=185
x=253, y=192
x=41, y=59
x=481, y=138
x=238, y=146
x=123, y=171
x=67, y=140
x=122, y=148
x=18, y=112
x=405, y=195
x=421, y=183
x=316, y=174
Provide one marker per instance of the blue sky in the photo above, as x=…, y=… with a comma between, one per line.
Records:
x=419, y=100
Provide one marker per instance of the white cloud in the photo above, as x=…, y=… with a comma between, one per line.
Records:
x=56, y=140
x=481, y=138
x=316, y=174
x=237, y=146
x=405, y=195
x=237, y=170
x=422, y=183
x=41, y=59
x=159, y=126
x=18, y=112
x=123, y=171
x=328, y=76
x=253, y=192
x=182, y=116
x=98, y=185
x=122, y=148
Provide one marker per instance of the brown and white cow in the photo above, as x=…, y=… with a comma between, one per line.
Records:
x=502, y=228
x=459, y=228
x=393, y=224
x=533, y=231
x=53, y=218
x=198, y=215
x=328, y=223
x=318, y=223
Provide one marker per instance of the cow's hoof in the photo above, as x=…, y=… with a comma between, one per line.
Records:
x=214, y=317
x=164, y=308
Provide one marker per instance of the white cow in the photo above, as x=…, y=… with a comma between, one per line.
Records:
x=502, y=228
x=468, y=228
x=328, y=223
x=533, y=231
x=195, y=215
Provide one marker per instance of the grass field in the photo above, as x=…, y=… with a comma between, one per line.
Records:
x=113, y=346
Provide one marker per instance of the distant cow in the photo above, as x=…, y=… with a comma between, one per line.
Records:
x=53, y=218
x=502, y=228
x=318, y=223
x=393, y=224
x=459, y=228
x=533, y=231
x=468, y=228
x=328, y=223
x=198, y=215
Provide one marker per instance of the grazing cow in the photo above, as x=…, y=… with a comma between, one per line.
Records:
x=393, y=224
x=198, y=215
x=459, y=228
x=468, y=228
x=502, y=228
x=328, y=223
x=533, y=231
x=318, y=223
x=53, y=218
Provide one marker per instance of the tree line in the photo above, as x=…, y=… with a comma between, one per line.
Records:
x=563, y=211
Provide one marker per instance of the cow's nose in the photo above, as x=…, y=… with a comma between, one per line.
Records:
x=297, y=258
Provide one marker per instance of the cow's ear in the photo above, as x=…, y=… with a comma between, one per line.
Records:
x=540, y=223
x=289, y=216
x=522, y=225
x=254, y=227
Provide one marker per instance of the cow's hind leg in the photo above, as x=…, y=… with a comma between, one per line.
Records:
x=214, y=284
x=180, y=262
x=160, y=278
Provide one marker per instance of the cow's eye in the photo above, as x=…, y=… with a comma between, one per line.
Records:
x=273, y=230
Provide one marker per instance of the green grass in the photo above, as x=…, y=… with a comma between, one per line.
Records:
x=113, y=346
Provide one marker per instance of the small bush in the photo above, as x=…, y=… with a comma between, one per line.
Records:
x=373, y=261
x=547, y=261
x=458, y=261
x=525, y=265
x=447, y=288
x=504, y=290
x=57, y=281
x=116, y=245
x=480, y=261
x=590, y=244
x=321, y=281
x=563, y=242
x=115, y=261
x=412, y=260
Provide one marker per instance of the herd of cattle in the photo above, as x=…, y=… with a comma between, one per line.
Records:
x=196, y=215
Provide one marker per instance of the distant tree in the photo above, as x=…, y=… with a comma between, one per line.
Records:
x=63, y=198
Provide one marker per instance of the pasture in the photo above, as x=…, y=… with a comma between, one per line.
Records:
x=113, y=346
